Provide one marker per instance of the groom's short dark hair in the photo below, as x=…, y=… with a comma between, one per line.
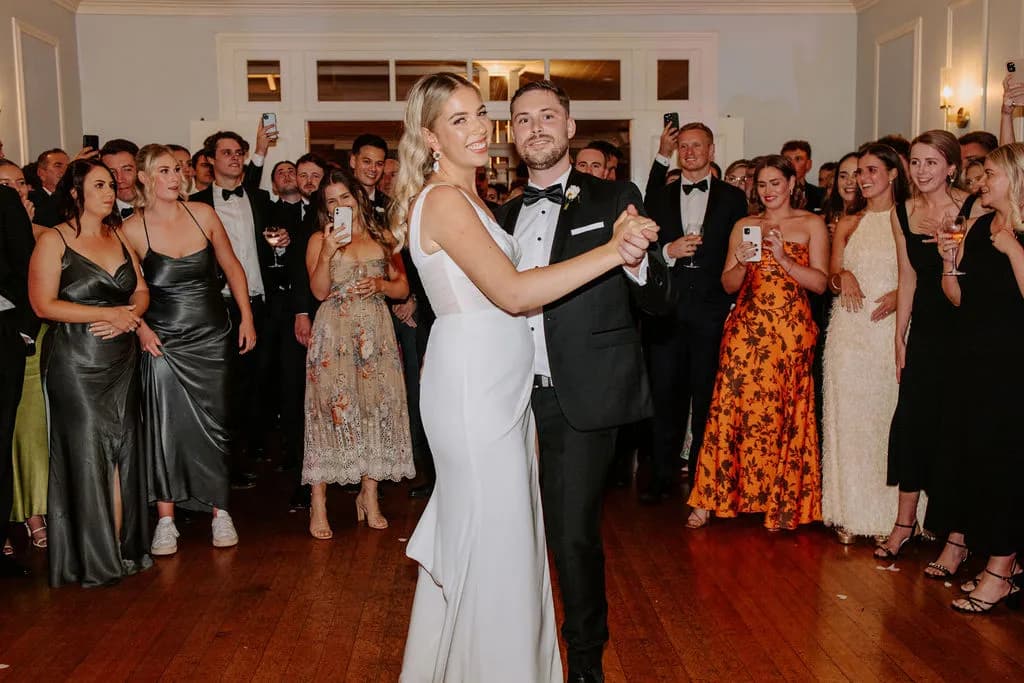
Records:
x=563, y=98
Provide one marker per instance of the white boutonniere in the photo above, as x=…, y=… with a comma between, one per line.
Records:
x=379, y=209
x=570, y=195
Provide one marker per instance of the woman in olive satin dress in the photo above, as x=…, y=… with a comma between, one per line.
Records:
x=186, y=338
x=85, y=278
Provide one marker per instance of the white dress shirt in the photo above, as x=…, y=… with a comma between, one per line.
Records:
x=121, y=206
x=692, y=207
x=236, y=215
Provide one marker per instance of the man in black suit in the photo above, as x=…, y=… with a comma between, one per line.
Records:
x=683, y=346
x=806, y=196
x=588, y=364
x=245, y=213
x=367, y=163
x=17, y=327
x=119, y=156
x=50, y=167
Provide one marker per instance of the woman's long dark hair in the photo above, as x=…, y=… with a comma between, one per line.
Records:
x=70, y=207
x=835, y=208
x=891, y=159
x=364, y=211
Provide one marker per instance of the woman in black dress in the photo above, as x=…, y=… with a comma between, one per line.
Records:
x=84, y=278
x=990, y=296
x=186, y=336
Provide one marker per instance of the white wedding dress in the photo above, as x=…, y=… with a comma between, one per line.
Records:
x=483, y=610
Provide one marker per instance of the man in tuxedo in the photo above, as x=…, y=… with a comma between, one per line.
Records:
x=683, y=345
x=613, y=158
x=593, y=161
x=367, y=163
x=589, y=369
x=50, y=167
x=806, y=196
x=202, y=171
x=119, y=156
x=245, y=213
x=18, y=326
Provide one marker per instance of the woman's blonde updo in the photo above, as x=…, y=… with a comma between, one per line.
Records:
x=145, y=162
x=1010, y=159
x=415, y=157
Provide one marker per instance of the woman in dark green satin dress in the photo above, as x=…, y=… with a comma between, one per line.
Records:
x=86, y=280
x=186, y=338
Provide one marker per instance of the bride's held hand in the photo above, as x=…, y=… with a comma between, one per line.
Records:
x=632, y=234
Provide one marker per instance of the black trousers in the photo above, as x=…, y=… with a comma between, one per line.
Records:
x=574, y=466
x=245, y=390
x=283, y=361
x=412, y=358
x=683, y=362
x=12, y=378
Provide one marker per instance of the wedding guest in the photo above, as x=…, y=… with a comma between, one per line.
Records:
x=843, y=195
x=806, y=196
x=825, y=174
x=86, y=280
x=976, y=144
x=367, y=164
x=387, y=178
x=736, y=173
x=184, y=159
x=119, y=157
x=973, y=176
x=50, y=167
x=990, y=297
x=187, y=340
x=593, y=161
x=761, y=449
x=202, y=170
x=859, y=389
x=925, y=327
x=613, y=159
x=357, y=424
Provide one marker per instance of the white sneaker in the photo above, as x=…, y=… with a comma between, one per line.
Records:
x=165, y=537
x=224, y=534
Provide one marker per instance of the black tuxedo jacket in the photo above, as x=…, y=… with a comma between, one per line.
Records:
x=697, y=292
x=597, y=363
x=262, y=216
x=46, y=208
x=815, y=197
x=16, y=244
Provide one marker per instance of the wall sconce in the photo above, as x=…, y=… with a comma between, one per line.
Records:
x=955, y=116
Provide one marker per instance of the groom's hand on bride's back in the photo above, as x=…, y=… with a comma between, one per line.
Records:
x=634, y=234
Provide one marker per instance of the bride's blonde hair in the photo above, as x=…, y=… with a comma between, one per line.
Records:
x=415, y=158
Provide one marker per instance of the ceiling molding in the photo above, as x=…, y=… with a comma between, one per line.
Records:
x=461, y=7
x=69, y=5
x=862, y=5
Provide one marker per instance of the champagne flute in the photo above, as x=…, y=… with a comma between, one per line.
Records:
x=956, y=228
x=274, y=236
x=688, y=230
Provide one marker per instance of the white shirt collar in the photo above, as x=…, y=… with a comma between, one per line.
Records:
x=686, y=181
x=562, y=180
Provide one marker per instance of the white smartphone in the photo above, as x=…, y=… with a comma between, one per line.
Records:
x=752, y=233
x=270, y=124
x=343, y=224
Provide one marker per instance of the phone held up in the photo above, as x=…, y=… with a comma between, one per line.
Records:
x=752, y=233
x=671, y=118
x=343, y=224
x=91, y=141
x=270, y=125
x=1015, y=67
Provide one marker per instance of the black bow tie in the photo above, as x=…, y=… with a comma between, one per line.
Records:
x=553, y=193
x=126, y=212
x=702, y=186
x=238, y=192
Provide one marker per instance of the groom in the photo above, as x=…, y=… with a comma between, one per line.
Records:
x=589, y=370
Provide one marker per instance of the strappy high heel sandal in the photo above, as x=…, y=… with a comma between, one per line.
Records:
x=941, y=571
x=37, y=541
x=883, y=553
x=972, y=605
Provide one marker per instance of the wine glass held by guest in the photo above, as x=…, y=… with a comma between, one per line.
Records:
x=493, y=613
x=357, y=421
x=859, y=387
x=919, y=454
x=990, y=301
x=187, y=339
x=768, y=459
x=86, y=280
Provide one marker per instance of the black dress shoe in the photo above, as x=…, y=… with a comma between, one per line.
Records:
x=592, y=675
x=655, y=492
x=421, y=491
x=10, y=569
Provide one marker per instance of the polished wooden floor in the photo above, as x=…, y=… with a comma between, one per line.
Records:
x=731, y=602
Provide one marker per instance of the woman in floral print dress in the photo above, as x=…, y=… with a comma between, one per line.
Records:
x=761, y=451
x=357, y=422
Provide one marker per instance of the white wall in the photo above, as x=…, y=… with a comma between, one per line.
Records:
x=974, y=37
x=785, y=75
x=58, y=22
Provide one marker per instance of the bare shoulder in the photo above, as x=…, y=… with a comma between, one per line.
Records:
x=203, y=213
x=50, y=239
x=446, y=202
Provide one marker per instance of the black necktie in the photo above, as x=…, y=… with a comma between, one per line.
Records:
x=237, y=192
x=126, y=212
x=702, y=186
x=532, y=195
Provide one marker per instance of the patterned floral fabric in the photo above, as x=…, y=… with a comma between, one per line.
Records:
x=761, y=449
x=357, y=419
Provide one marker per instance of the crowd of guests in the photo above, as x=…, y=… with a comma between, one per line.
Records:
x=829, y=352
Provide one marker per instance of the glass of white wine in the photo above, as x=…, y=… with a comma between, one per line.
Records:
x=692, y=229
x=274, y=236
x=956, y=228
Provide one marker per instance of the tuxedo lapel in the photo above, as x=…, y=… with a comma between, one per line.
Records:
x=568, y=216
x=511, y=215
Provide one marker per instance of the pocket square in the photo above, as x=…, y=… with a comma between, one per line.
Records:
x=586, y=228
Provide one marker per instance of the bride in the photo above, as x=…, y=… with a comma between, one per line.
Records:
x=483, y=609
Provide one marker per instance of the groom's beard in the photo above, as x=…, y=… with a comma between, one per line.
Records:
x=541, y=160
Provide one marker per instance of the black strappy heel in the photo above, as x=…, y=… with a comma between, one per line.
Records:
x=972, y=605
x=944, y=572
x=883, y=553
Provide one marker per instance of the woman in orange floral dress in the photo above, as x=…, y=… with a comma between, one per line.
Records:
x=357, y=422
x=761, y=448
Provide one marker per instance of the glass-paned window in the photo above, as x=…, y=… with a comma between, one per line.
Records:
x=588, y=79
x=498, y=79
x=673, y=79
x=408, y=71
x=350, y=81
x=264, y=80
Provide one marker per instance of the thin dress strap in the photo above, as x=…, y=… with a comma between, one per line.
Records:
x=145, y=228
x=198, y=227
x=965, y=210
x=903, y=218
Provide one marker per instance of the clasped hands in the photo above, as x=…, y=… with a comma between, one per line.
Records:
x=117, y=321
x=633, y=233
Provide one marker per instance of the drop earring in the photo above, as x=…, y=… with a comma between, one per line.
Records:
x=437, y=160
